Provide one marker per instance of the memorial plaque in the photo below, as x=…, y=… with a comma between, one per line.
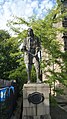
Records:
x=36, y=98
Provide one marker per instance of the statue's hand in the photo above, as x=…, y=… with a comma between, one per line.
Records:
x=24, y=48
x=35, y=54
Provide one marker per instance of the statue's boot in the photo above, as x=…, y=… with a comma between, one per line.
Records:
x=28, y=81
x=29, y=76
x=38, y=81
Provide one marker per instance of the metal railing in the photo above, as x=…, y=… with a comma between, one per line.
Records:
x=8, y=97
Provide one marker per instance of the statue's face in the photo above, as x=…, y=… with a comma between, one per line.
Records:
x=30, y=32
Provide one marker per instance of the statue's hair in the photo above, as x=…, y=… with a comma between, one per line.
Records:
x=31, y=30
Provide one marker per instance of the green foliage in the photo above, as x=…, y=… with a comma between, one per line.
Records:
x=53, y=101
x=11, y=59
x=4, y=55
x=4, y=35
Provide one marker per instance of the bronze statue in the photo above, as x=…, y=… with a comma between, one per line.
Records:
x=31, y=47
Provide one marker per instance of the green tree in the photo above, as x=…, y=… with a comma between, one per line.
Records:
x=4, y=35
x=11, y=61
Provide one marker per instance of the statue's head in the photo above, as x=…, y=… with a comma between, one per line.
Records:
x=30, y=32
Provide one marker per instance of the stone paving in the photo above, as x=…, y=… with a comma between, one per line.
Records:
x=58, y=113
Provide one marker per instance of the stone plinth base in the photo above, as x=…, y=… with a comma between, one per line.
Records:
x=33, y=111
x=37, y=117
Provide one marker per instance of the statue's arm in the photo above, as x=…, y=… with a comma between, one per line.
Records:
x=24, y=45
x=38, y=46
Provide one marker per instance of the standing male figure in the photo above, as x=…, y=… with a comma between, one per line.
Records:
x=31, y=46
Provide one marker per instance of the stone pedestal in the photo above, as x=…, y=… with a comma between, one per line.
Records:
x=33, y=111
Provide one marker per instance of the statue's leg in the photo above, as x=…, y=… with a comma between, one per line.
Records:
x=28, y=62
x=28, y=67
x=29, y=73
x=37, y=68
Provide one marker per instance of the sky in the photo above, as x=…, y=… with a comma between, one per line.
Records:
x=23, y=9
